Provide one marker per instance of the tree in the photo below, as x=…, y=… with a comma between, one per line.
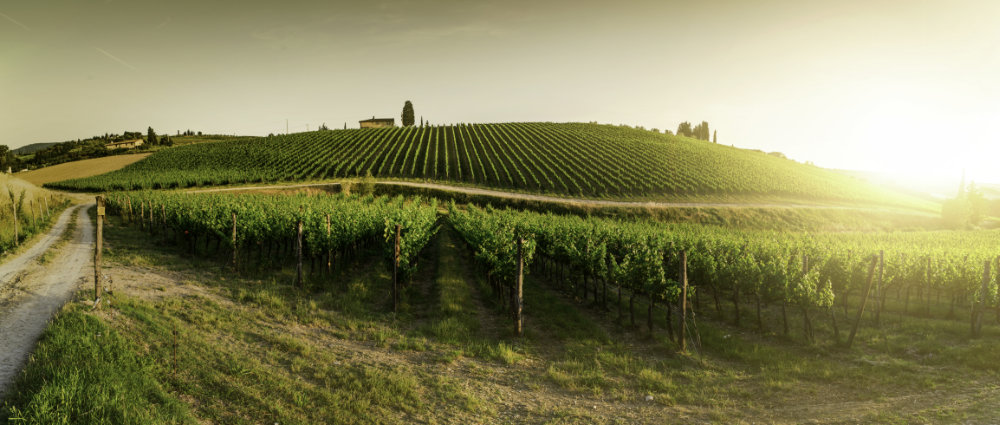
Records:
x=4, y=152
x=684, y=129
x=407, y=113
x=701, y=131
x=151, y=136
x=715, y=136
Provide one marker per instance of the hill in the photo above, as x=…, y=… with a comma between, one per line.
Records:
x=562, y=159
x=32, y=148
x=77, y=169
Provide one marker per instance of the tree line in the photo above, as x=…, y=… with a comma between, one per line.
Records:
x=699, y=131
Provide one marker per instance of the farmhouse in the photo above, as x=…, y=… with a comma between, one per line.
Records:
x=124, y=144
x=378, y=122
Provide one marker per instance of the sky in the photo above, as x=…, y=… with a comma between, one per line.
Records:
x=908, y=88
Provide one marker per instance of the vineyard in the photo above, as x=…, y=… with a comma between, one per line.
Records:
x=304, y=301
x=25, y=211
x=564, y=159
x=814, y=275
x=810, y=273
x=258, y=228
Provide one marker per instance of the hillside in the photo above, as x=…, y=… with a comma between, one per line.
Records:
x=562, y=159
x=32, y=148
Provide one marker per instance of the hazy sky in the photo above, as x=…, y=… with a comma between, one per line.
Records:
x=901, y=86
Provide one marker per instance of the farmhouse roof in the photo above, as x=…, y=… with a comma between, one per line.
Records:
x=373, y=119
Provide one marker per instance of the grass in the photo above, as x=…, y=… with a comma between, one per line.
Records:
x=84, y=371
x=253, y=349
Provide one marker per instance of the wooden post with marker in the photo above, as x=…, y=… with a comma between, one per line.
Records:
x=98, y=248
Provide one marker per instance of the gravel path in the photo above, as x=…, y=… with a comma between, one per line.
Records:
x=40, y=291
x=551, y=199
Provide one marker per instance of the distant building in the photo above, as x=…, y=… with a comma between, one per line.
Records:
x=124, y=144
x=378, y=122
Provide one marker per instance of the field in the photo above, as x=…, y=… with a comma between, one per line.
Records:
x=561, y=159
x=77, y=169
x=186, y=339
x=35, y=207
x=369, y=299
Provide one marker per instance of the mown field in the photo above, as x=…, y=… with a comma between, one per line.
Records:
x=765, y=333
x=564, y=159
x=79, y=169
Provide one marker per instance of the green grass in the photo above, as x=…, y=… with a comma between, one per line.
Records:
x=84, y=371
x=563, y=159
x=253, y=349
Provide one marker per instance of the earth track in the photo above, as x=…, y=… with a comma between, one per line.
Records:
x=33, y=293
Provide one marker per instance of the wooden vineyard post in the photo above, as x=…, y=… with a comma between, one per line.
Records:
x=129, y=203
x=163, y=219
x=518, y=290
x=13, y=207
x=998, y=289
x=880, y=289
x=395, y=269
x=142, y=215
x=98, y=247
x=864, y=300
x=684, y=291
x=329, y=252
x=235, y=248
x=298, y=254
x=979, y=307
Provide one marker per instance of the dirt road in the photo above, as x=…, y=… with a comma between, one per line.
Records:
x=584, y=202
x=30, y=293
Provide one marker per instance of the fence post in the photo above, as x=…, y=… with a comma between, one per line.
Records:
x=395, y=269
x=298, y=254
x=98, y=247
x=518, y=291
x=329, y=252
x=684, y=290
x=13, y=206
x=235, y=247
x=977, y=308
x=880, y=289
x=864, y=300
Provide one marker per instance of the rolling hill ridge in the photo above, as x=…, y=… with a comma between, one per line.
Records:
x=568, y=159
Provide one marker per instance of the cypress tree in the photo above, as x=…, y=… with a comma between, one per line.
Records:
x=407, y=114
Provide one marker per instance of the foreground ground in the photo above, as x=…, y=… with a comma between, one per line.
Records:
x=183, y=340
